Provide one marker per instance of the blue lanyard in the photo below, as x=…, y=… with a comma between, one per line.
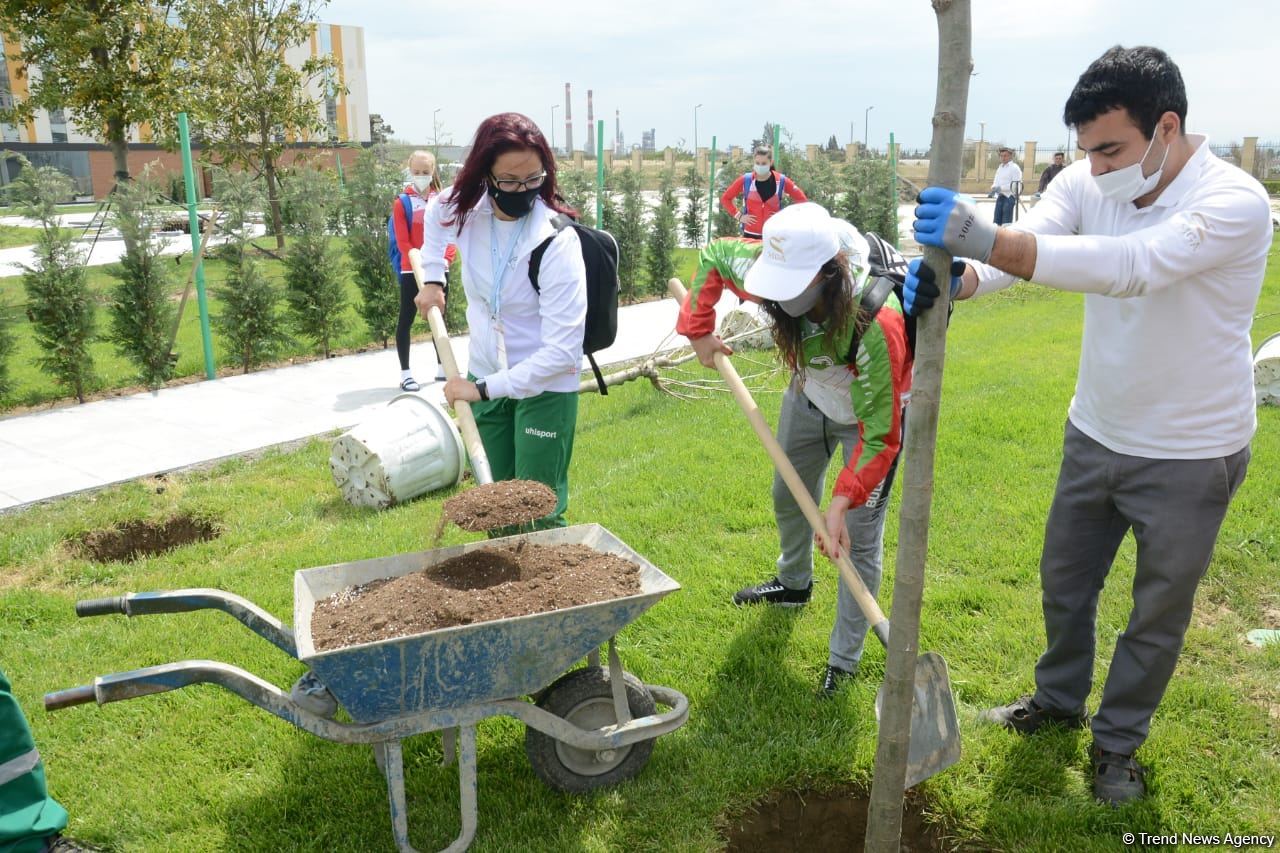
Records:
x=500, y=266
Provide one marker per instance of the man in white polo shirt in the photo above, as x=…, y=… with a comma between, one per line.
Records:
x=1005, y=185
x=1169, y=245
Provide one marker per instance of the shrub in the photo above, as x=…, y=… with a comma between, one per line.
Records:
x=141, y=314
x=58, y=300
x=578, y=189
x=692, y=221
x=313, y=281
x=660, y=264
x=372, y=187
x=7, y=345
x=868, y=203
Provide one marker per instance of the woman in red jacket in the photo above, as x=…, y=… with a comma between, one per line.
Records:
x=424, y=182
x=764, y=189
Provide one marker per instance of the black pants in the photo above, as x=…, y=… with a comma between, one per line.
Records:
x=408, y=311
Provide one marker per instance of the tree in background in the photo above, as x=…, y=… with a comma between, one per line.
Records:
x=250, y=320
x=660, y=245
x=372, y=186
x=629, y=233
x=868, y=202
x=111, y=65
x=251, y=100
x=59, y=304
x=578, y=188
x=692, y=223
x=140, y=311
x=313, y=265
x=832, y=144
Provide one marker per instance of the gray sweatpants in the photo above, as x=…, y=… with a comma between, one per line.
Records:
x=809, y=439
x=1175, y=508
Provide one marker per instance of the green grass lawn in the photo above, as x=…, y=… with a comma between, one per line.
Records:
x=685, y=484
x=14, y=235
x=32, y=386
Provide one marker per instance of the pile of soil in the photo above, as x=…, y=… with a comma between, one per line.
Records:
x=501, y=504
x=130, y=540
x=483, y=585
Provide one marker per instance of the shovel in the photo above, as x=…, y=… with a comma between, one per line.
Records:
x=935, y=731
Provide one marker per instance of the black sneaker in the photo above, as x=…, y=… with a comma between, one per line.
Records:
x=1025, y=717
x=832, y=678
x=1117, y=778
x=773, y=592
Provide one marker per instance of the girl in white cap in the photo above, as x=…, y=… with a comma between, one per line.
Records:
x=849, y=376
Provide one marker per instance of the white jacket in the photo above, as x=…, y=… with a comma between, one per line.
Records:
x=543, y=332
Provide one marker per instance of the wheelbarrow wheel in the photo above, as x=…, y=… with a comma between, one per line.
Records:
x=584, y=698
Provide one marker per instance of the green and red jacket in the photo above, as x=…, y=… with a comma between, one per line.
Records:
x=870, y=389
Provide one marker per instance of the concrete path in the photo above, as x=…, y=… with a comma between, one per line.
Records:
x=74, y=448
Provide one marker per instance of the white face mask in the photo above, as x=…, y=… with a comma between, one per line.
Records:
x=1128, y=184
x=421, y=182
x=803, y=302
x=762, y=170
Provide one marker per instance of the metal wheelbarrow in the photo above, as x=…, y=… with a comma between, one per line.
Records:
x=588, y=728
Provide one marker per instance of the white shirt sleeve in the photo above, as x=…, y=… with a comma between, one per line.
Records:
x=1056, y=213
x=562, y=310
x=435, y=237
x=1207, y=235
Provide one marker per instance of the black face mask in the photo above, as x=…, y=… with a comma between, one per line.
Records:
x=515, y=204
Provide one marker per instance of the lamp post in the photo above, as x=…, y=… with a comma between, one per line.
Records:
x=435, y=132
x=695, y=132
x=554, y=107
x=865, y=129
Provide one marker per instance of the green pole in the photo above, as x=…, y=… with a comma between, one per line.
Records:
x=337, y=158
x=189, y=183
x=893, y=188
x=599, y=172
x=711, y=190
x=777, y=132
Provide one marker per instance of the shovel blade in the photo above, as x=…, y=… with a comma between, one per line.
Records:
x=935, y=731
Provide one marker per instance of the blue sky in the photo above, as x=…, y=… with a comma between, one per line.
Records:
x=812, y=66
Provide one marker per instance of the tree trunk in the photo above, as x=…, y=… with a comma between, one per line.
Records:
x=273, y=196
x=118, y=142
x=884, y=818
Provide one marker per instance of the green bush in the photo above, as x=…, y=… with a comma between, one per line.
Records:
x=1272, y=187
x=578, y=189
x=660, y=246
x=692, y=221
x=7, y=345
x=372, y=188
x=142, y=316
x=313, y=280
x=868, y=203
x=58, y=302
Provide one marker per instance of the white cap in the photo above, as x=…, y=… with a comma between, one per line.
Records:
x=798, y=240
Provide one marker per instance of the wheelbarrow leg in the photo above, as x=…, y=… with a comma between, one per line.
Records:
x=393, y=767
x=449, y=744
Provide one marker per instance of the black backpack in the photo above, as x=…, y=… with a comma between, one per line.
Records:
x=600, y=255
x=888, y=275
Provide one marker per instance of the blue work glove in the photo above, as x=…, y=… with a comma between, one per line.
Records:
x=920, y=290
x=948, y=220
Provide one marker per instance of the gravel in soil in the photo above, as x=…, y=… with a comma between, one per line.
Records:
x=502, y=504
x=498, y=582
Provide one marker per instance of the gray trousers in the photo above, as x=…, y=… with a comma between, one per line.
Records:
x=809, y=439
x=1175, y=508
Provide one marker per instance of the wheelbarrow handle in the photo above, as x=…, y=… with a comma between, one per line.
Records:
x=866, y=601
x=251, y=615
x=71, y=696
x=466, y=420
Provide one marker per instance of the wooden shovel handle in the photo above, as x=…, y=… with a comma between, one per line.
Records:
x=466, y=420
x=866, y=601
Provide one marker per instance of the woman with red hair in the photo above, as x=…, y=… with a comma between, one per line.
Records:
x=526, y=343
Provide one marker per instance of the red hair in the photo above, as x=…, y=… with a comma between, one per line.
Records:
x=495, y=136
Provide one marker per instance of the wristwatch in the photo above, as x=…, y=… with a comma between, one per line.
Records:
x=483, y=388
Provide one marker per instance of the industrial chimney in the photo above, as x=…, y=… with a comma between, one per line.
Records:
x=590, y=145
x=568, y=121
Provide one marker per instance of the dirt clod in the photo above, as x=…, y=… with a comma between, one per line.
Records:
x=825, y=822
x=130, y=540
x=491, y=583
x=502, y=504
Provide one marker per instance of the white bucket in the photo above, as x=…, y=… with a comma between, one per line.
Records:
x=1266, y=371
x=407, y=449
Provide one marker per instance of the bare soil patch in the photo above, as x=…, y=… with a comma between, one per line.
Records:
x=130, y=540
x=502, y=504
x=825, y=822
x=492, y=583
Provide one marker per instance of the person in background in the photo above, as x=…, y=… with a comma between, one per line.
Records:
x=424, y=183
x=809, y=273
x=526, y=344
x=760, y=193
x=1051, y=172
x=1008, y=173
x=1169, y=244
x=30, y=820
